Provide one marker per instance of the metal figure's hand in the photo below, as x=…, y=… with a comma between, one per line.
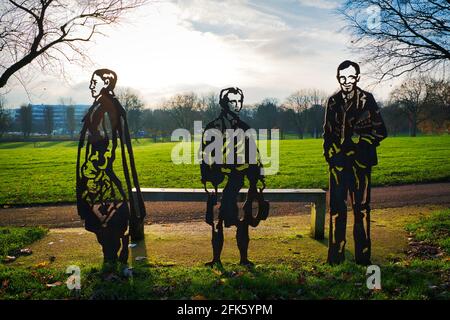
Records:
x=204, y=186
x=337, y=159
x=263, y=185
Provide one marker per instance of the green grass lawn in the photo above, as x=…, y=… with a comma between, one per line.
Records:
x=289, y=264
x=13, y=239
x=46, y=173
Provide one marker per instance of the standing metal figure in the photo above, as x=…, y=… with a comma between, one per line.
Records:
x=241, y=160
x=353, y=129
x=106, y=206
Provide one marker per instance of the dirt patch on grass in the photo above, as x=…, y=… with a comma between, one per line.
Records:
x=280, y=239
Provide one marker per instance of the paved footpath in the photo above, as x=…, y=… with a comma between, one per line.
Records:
x=174, y=212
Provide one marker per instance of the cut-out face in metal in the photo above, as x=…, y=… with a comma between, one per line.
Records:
x=348, y=79
x=97, y=84
x=232, y=99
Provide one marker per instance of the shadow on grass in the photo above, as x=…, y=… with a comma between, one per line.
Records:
x=415, y=279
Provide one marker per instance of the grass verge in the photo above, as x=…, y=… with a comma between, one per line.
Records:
x=13, y=239
x=402, y=277
x=434, y=230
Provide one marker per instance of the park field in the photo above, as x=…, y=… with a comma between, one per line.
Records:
x=45, y=173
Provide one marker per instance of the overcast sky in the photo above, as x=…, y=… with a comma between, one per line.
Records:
x=267, y=48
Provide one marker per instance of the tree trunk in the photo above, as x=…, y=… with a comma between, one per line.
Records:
x=414, y=126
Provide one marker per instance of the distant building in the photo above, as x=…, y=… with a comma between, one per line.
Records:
x=59, y=116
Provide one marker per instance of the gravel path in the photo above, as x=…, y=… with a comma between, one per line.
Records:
x=173, y=212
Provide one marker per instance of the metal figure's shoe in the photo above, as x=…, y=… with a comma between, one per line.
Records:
x=213, y=263
x=246, y=263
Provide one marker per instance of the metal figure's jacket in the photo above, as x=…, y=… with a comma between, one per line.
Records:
x=101, y=199
x=250, y=166
x=353, y=128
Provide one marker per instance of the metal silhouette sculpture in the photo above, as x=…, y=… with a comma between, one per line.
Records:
x=215, y=172
x=353, y=129
x=107, y=207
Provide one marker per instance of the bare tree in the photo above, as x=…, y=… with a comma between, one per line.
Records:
x=48, y=120
x=183, y=109
x=438, y=93
x=299, y=102
x=70, y=115
x=134, y=106
x=49, y=31
x=395, y=118
x=410, y=95
x=210, y=106
x=5, y=118
x=266, y=115
x=400, y=36
x=437, y=104
x=315, y=116
x=26, y=120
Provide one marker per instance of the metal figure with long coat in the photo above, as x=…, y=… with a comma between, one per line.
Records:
x=107, y=206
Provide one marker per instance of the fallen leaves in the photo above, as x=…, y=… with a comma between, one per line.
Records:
x=111, y=277
x=9, y=259
x=301, y=279
x=13, y=255
x=42, y=264
x=423, y=250
x=140, y=258
x=25, y=251
x=54, y=284
x=346, y=276
x=5, y=284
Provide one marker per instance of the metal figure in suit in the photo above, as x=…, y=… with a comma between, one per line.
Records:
x=106, y=205
x=238, y=158
x=353, y=129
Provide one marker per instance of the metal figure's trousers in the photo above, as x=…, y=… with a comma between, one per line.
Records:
x=229, y=215
x=353, y=180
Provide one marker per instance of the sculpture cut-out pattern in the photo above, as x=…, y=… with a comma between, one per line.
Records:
x=235, y=172
x=353, y=129
x=107, y=206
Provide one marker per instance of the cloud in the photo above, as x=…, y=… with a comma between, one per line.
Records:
x=268, y=48
x=320, y=4
x=229, y=17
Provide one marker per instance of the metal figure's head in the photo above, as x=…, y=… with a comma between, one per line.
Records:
x=102, y=79
x=231, y=99
x=348, y=74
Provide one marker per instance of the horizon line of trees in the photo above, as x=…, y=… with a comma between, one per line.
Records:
x=420, y=104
